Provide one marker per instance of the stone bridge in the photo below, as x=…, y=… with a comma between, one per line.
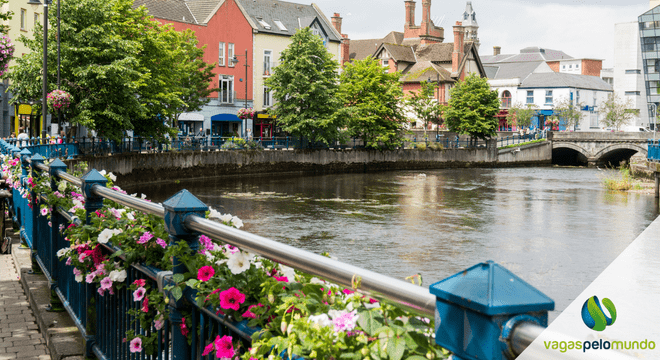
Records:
x=598, y=148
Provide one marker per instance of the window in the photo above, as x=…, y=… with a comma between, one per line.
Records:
x=386, y=63
x=267, y=62
x=268, y=97
x=530, y=96
x=563, y=67
x=548, y=97
x=23, y=20
x=36, y=19
x=577, y=66
x=577, y=97
x=632, y=93
x=221, y=54
x=633, y=71
x=230, y=55
x=226, y=85
x=570, y=66
x=280, y=25
x=263, y=23
x=506, y=99
x=593, y=121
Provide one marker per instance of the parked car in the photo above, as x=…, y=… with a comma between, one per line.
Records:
x=634, y=129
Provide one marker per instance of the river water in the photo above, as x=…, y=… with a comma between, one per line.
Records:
x=556, y=228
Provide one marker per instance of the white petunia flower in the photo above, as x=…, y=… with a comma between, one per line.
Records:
x=102, y=172
x=320, y=320
x=238, y=223
x=214, y=214
x=112, y=176
x=79, y=278
x=225, y=218
x=130, y=216
x=61, y=252
x=288, y=272
x=61, y=186
x=105, y=235
x=117, y=276
x=238, y=262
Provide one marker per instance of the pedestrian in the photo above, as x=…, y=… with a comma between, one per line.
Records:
x=22, y=136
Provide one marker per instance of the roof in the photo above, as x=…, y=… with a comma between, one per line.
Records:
x=425, y=70
x=361, y=49
x=292, y=15
x=527, y=54
x=512, y=70
x=440, y=52
x=563, y=80
x=175, y=10
x=400, y=52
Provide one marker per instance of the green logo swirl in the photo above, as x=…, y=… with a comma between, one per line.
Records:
x=594, y=316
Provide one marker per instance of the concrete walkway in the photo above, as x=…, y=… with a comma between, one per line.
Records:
x=19, y=335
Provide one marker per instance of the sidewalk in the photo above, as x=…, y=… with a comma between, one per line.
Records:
x=19, y=335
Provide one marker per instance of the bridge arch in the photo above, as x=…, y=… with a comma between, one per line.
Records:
x=572, y=146
x=566, y=153
x=616, y=153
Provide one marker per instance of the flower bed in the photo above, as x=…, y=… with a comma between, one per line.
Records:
x=295, y=312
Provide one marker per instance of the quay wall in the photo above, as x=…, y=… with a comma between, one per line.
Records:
x=165, y=167
x=530, y=154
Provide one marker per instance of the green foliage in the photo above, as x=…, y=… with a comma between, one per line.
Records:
x=521, y=115
x=425, y=106
x=305, y=86
x=619, y=182
x=569, y=112
x=4, y=16
x=372, y=96
x=472, y=108
x=123, y=69
x=617, y=111
x=521, y=144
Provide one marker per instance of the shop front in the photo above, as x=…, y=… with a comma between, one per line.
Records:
x=225, y=125
x=265, y=126
x=191, y=124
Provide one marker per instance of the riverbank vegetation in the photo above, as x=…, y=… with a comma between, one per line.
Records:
x=521, y=144
x=624, y=180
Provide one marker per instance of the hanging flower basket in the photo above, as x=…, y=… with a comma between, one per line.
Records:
x=245, y=113
x=6, y=53
x=58, y=100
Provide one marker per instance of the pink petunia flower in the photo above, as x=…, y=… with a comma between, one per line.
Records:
x=106, y=283
x=231, y=298
x=184, y=328
x=161, y=242
x=249, y=313
x=145, y=237
x=139, y=282
x=145, y=305
x=136, y=345
x=139, y=294
x=205, y=273
x=224, y=347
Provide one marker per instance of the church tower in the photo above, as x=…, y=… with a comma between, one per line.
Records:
x=470, y=25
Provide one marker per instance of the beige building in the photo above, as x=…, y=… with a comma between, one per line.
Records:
x=26, y=16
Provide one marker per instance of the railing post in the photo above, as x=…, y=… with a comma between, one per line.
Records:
x=24, y=155
x=55, y=219
x=36, y=159
x=177, y=208
x=477, y=310
x=93, y=202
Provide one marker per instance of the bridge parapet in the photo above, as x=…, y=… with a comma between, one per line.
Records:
x=598, y=136
x=601, y=147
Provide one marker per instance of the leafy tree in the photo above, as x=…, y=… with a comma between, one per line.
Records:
x=618, y=112
x=521, y=115
x=4, y=16
x=425, y=107
x=305, y=86
x=122, y=68
x=372, y=96
x=569, y=111
x=472, y=108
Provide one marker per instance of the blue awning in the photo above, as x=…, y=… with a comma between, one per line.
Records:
x=225, y=117
x=547, y=112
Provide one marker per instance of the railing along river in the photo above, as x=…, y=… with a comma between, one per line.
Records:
x=509, y=324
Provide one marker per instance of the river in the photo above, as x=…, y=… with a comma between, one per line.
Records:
x=556, y=228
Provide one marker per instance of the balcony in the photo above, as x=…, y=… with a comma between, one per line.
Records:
x=226, y=97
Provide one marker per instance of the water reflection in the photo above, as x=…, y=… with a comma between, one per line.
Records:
x=554, y=227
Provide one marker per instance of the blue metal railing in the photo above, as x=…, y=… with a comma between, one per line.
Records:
x=104, y=328
x=653, y=152
x=519, y=139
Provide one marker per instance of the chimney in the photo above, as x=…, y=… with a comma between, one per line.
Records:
x=336, y=22
x=457, y=55
x=496, y=50
x=410, y=14
x=426, y=17
x=345, y=49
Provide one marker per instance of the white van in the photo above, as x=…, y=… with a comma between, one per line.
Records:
x=634, y=129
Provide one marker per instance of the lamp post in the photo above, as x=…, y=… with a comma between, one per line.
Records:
x=235, y=61
x=44, y=103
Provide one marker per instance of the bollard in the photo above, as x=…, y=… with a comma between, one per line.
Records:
x=93, y=202
x=177, y=208
x=477, y=309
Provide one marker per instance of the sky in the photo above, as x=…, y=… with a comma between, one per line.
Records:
x=580, y=28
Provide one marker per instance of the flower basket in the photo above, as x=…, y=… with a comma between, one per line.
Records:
x=6, y=53
x=245, y=113
x=58, y=100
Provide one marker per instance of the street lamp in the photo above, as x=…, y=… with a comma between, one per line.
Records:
x=235, y=61
x=44, y=104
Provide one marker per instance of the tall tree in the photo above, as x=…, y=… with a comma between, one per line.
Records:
x=120, y=66
x=372, y=97
x=424, y=105
x=472, y=108
x=305, y=86
x=618, y=112
x=569, y=111
x=521, y=115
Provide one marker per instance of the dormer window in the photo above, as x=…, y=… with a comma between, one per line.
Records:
x=264, y=24
x=280, y=25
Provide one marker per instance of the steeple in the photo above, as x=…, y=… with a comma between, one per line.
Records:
x=470, y=25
